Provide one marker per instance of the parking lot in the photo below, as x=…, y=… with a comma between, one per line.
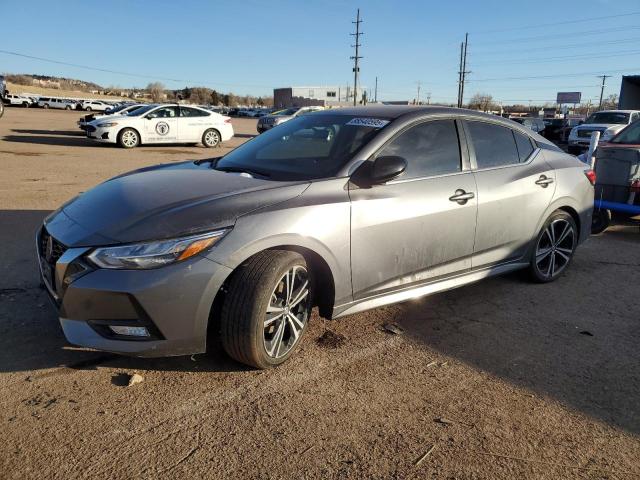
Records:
x=502, y=379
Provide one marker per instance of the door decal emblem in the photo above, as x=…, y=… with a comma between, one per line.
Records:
x=162, y=128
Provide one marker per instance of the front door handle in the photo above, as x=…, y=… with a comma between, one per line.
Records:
x=461, y=196
x=544, y=181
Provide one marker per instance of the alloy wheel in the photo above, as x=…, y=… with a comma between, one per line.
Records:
x=129, y=138
x=287, y=312
x=555, y=248
x=211, y=138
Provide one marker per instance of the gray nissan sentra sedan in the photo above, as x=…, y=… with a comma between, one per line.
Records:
x=345, y=209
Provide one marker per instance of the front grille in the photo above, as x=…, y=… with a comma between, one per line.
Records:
x=50, y=254
x=584, y=133
x=91, y=128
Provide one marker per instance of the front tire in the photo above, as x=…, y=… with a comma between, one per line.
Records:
x=68, y=107
x=128, y=138
x=211, y=138
x=266, y=311
x=554, y=247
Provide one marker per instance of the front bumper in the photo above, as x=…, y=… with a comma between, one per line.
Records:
x=106, y=135
x=172, y=302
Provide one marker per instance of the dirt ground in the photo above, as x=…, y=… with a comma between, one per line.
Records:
x=501, y=379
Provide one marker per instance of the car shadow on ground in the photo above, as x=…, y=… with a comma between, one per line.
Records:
x=574, y=341
x=66, y=141
x=69, y=133
x=245, y=135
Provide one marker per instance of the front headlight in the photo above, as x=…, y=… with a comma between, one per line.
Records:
x=107, y=124
x=608, y=134
x=154, y=254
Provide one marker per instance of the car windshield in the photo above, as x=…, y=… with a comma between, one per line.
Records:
x=141, y=110
x=629, y=136
x=305, y=148
x=609, y=117
x=288, y=111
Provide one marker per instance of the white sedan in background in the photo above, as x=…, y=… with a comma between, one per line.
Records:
x=170, y=123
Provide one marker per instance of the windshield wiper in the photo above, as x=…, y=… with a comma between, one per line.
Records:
x=250, y=171
x=213, y=161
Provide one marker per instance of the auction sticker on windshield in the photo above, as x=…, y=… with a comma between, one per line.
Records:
x=368, y=122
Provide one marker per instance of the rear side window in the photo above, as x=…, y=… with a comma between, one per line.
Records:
x=494, y=145
x=192, y=112
x=524, y=145
x=430, y=148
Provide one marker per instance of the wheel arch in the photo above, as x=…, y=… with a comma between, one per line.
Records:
x=130, y=128
x=568, y=205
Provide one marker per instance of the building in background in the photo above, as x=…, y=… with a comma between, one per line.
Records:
x=314, y=96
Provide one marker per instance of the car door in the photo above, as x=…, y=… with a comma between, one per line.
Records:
x=161, y=125
x=515, y=187
x=192, y=124
x=421, y=225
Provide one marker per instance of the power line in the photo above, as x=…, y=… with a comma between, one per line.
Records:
x=558, y=47
x=561, y=58
x=567, y=22
x=552, y=76
x=564, y=35
x=130, y=74
x=356, y=58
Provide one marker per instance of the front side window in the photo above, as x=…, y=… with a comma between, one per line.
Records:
x=494, y=145
x=164, y=112
x=430, y=148
x=305, y=148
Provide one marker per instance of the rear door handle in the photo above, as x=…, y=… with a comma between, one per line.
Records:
x=461, y=196
x=544, y=181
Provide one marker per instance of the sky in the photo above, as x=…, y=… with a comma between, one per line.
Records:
x=519, y=51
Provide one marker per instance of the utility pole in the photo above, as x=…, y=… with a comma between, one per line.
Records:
x=356, y=58
x=418, y=95
x=375, y=98
x=460, y=74
x=463, y=75
x=428, y=98
x=603, y=77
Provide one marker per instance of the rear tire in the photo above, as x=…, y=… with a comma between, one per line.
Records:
x=46, y=105
x=554, y=247
x=128, y=138
x=25, y=105
x=211, y=138
x=88, y=109
x=265, y=314
x=600, y=220
x=68, y=107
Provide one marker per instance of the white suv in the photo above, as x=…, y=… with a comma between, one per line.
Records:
x=95, y=105
x=607, y=122
x=59, y=103
x=18, y=100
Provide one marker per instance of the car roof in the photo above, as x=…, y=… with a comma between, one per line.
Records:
x=397, y=111
x=617, y=111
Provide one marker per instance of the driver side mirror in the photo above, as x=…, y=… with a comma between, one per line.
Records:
x=381, y=170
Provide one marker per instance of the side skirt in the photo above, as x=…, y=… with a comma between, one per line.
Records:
x=425, y=289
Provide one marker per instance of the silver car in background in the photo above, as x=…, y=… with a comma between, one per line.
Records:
x=267, y=122
x=346, y=210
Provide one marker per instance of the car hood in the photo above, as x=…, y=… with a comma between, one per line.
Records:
x=163, y=201
x=102, y=117
x=599, y=126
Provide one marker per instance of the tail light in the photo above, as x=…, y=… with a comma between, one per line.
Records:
x=591, y=176
x=635, y=186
